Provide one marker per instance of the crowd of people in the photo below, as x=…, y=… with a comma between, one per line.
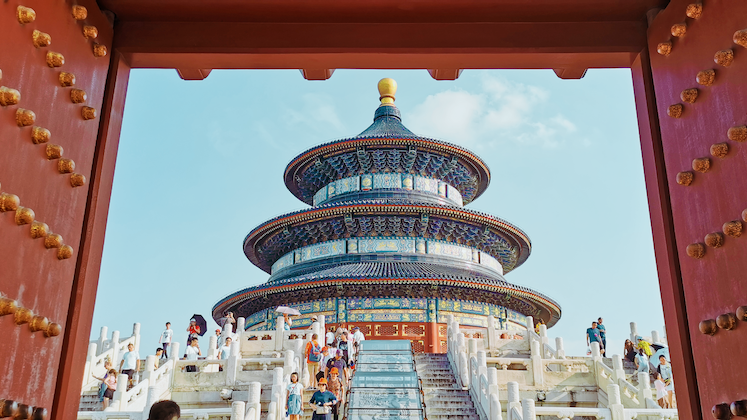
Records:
x=640, y=354
x=331, y=364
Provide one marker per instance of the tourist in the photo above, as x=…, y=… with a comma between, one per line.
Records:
x=336, y=362
x=107, y=368
x=288, y=322
x=111, y=386
x=629, y=351
x=193, y=350
x=342, y=344
x=602, y=332
x=313, y=357
x=159, y=355
x=294, y=398
x=664, y=372
x=335, y=386
x=227, y=319
x=219, y=339
x=165, y=410
x=193, y=330
x=592, y=336
x=130, y=362
x=165, y=340
x=645, y=345
x=641, y=361
x=661, y=392
x=322, y=401
x=358, y=337
x=323, y=364
x=225, y=350
x=329, y=338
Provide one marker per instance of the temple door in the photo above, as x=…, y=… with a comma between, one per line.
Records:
x=692, y=105
x=55, y=63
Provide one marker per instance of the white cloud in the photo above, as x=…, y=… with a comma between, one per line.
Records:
x=501, y=111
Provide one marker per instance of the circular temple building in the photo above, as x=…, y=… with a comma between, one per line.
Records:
x=387, y=244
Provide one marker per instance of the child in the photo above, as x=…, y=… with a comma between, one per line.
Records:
x=294, y=397
x=661, y=392
x=111, y=386
x=102, y=389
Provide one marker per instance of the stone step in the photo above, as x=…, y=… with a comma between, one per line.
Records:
x=445, y=405
x=459, y=415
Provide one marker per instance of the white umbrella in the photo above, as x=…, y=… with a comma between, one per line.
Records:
x=287, y=310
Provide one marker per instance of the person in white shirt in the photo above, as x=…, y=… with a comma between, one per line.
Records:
x=193, y=350
x=358, y=337
x=225, y=350
x=165, y=340
x=130, y=362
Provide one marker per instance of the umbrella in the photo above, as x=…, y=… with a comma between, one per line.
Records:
x=654, y=360
x=201, y=323
x=287, y=310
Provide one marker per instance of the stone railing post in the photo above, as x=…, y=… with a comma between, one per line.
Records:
x=115, y=349
x=289, y=365
x=471, y=347
x=618, y=373
x=279, y=333
x=614, y=403
x=527, y=410
x=136, y=335
x=492, y=334
x=150, y=367
x=596, y=353
x=255, y=392
x=495, y=407
x=492, y=381
x=655, y=337
x=174, y=351
x=152, y=398
x=464, y=373
x=535, y=360
x=232, y=364
x=102, y=339
x=240, y=325
x=461, y=343
x=212, y=350
x=530, y=325
x=275, y=398
x=633, y=332
x=88, y=370
x=513, y=398
x=118, y=403
x=644, y=389
x=227, y=331
x=238, y=410
x=322, y=328
x=559, y=347
x=543, y=334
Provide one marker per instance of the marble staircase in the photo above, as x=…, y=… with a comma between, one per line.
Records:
x=444, y=399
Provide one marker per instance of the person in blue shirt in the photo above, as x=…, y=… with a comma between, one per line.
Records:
x=602, y=332
x=322, y=401
x=592, y=335
x=641, y=361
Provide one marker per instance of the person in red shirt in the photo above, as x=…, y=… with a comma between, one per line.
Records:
x=193, y=329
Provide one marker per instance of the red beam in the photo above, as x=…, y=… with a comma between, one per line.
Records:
x=235, y=45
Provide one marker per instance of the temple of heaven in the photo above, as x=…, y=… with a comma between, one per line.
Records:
x=387, y=244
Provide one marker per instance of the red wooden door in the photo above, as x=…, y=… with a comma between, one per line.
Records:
x=54, y=63
x=698, y=76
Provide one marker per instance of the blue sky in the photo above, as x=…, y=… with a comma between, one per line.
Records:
x=200, y=164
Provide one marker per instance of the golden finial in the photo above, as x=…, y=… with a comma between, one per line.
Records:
x=387, y=89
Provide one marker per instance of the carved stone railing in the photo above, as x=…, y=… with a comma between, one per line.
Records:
x=544, y=368
x=101, y=349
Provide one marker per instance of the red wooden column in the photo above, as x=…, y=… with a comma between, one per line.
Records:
x=54, y=58
x=691, y=96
